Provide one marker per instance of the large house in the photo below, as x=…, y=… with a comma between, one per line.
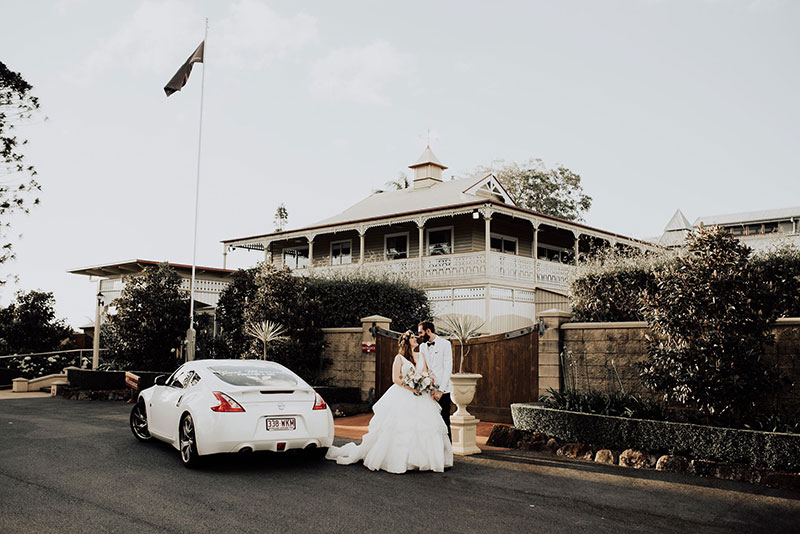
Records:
x=759, y=230
x=112, y=277
x=465, y=242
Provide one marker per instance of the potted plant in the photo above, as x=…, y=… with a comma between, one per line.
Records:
x=463, y=424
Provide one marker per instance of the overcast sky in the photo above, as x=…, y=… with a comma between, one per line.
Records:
x=658, y=105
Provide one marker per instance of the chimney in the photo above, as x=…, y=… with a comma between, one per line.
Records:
x=427, y=170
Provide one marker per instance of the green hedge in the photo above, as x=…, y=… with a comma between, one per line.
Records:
x=761, y=449
x=346, y=299
x=609, y=287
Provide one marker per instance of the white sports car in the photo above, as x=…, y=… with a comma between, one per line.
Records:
x=219, y=406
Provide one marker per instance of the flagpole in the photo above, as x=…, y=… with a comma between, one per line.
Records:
x=190, y=334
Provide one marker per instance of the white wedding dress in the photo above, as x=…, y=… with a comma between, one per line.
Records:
x=406, y=433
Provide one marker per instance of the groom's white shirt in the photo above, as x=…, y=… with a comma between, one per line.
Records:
x=439, y=357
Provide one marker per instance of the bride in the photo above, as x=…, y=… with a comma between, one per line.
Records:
x=407, y=431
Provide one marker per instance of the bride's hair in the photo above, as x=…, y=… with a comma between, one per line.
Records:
x=404, y=347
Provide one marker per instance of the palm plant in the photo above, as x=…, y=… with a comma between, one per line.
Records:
x=266, y=332
x=460, y=327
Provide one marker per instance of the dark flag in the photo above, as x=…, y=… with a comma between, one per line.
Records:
x=182, y=76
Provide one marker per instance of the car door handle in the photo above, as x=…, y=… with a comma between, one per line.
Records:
x=179, y=401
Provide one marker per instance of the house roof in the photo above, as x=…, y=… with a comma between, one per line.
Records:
x=748, y=217
x=115, y=270
x=677, y=223
x=381, y=204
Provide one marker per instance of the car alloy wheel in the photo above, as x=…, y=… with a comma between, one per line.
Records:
x=139, y=422
x=188, y=443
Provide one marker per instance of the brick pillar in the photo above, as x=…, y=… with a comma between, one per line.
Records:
x=549, y=349
x=368, y=348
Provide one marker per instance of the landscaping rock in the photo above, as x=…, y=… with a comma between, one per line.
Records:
x=703, y=468
x=633, y=458
x=605, y=456
x=739, y=472
x=573, y=450
x=505, y=436
x=552, y=445
x=672, y=464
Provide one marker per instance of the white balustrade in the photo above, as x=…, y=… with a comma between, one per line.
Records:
x=465, y=266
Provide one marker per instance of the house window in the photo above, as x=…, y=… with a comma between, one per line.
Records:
x=440, y=241
x=396, y=246
x=341, y=252
x=770, y=228
x=737, y=230
x=561, y=255
x=502, y=243
x=753, y=229
x=295, y=257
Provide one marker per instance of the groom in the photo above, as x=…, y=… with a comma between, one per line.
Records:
x=439, y=354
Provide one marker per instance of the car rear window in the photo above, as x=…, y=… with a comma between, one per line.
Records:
x=255, y=375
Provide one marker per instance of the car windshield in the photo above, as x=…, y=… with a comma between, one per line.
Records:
x=254, y=375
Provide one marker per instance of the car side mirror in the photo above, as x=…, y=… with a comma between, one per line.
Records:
x=161, y=380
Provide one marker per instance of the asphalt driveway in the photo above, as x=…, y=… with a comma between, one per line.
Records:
x=71, y=466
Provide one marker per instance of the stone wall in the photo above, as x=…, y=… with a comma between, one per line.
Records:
x=352, y=355
x=591, y=348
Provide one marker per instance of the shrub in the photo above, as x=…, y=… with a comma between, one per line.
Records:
x=346, y=298
x=780, y=269
x=29, y=325
x=284, y=298
x=617, y=404
x=232, y=341
x=711, y=315
x=609, y=286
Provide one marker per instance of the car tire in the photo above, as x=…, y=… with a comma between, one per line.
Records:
x=187, y=442
x=138, y=422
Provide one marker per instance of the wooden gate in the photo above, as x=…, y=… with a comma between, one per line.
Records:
x=509, y=364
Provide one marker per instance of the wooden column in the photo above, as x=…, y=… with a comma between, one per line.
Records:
x=487, y=230
x=361, y=234
x=535, y=255
x=577, y=242
x=310, y=253
x=421, y=230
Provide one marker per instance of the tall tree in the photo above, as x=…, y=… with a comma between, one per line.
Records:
x=28, y=325
x=17, y=184
x=533, y=186
x=150, y=323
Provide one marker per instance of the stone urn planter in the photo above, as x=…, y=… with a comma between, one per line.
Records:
x=463, y=425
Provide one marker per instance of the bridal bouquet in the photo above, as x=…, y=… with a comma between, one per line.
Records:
x=422, y=383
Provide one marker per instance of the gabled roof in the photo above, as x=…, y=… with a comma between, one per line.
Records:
x=490, y=186
x=749, y=217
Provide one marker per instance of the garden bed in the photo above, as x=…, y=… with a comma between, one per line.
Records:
x=770, y=450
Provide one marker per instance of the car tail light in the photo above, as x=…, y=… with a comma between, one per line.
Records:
x=319, y=404
x=226, y=404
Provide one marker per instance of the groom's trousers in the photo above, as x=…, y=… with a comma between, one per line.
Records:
x=445, y=403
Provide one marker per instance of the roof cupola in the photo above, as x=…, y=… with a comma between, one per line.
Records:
x=427, y=170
